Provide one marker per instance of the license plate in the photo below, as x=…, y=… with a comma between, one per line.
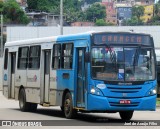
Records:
x=125, y=102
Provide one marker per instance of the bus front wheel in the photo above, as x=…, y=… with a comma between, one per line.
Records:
x=126, y=115
x=68, y=107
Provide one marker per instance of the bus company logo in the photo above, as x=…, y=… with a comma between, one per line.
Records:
x=35, y=78
x=124, y=94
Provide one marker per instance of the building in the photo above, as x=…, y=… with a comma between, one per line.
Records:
x=148, y=13
x=39, y=18
x=144, y=2
x=124, y=10
x=111, y=14
x=124, y=13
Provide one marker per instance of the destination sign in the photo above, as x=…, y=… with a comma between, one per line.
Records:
x=121, y=38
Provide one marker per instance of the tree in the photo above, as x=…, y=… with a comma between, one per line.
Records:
x=96, y=11
x=13, y=13
x=157, y=9
x=100, y=22
x=138, y=11
x=134, y=21
x=1, y=6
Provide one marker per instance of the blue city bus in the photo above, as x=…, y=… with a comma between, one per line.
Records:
x=105, y=72
x=115, y=73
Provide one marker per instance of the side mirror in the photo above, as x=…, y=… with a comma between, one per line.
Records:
x=87, y=57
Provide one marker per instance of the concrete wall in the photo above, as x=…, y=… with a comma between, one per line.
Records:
x=1, y=61
x=19, y=33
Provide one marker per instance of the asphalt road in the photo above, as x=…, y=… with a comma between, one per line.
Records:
x=9, y=110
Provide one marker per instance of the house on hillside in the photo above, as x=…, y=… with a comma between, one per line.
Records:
x=111, y=14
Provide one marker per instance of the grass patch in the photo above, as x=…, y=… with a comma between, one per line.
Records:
x=158, y=102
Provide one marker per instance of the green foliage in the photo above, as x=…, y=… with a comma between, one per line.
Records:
x=138, y=11
x=100, y=22
x=71, y=8
x=13, y=14
x=1, y=6
x=89, y=1
x=96, y=11
x=157, y=9
x=134, y=21
x=155, y=20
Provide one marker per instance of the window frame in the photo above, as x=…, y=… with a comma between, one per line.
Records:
x=68, y=56
x=39, y=56
x=54, y=57
x=6, y=59
x=27, y=58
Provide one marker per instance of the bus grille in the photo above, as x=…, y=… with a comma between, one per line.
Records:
x=124, y=90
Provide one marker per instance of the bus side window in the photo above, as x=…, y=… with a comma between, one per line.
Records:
x=56, y=58
x=34, y=57
x=67, y=56
x=23, y=57
x=6, y=58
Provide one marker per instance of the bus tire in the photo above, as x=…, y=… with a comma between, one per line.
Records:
x=24, y=106
x=69, y=112
x=126, y=115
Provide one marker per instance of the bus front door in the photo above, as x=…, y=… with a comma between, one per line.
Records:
x=81, y=78
x=12, y=81
x=47, y=57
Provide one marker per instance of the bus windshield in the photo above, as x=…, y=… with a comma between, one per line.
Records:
x=114, y=63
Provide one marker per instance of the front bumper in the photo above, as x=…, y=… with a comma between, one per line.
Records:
x=100, y=103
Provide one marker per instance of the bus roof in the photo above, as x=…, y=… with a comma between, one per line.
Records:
x=31, y=41
x=48, y=39
x=61, y=38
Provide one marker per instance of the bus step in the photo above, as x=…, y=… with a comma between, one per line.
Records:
x=45, y=104
x=79, y=108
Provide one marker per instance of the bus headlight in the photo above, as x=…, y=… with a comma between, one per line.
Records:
x=96, y=91
x=152, y=91
x=93, y=90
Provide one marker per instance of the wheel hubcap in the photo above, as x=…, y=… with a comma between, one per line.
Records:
x=67, y=105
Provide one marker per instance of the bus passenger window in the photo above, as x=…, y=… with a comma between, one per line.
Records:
x=6, y=58
x=56, y=56
x=23, y=58
x=67, y=56
x=34, y=57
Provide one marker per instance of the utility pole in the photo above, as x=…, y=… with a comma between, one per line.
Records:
x=1, y=35
x=61, y=17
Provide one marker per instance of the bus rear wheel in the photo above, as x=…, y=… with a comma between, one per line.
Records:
x=25, y=106
x=69, y=112
x=126, y=115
